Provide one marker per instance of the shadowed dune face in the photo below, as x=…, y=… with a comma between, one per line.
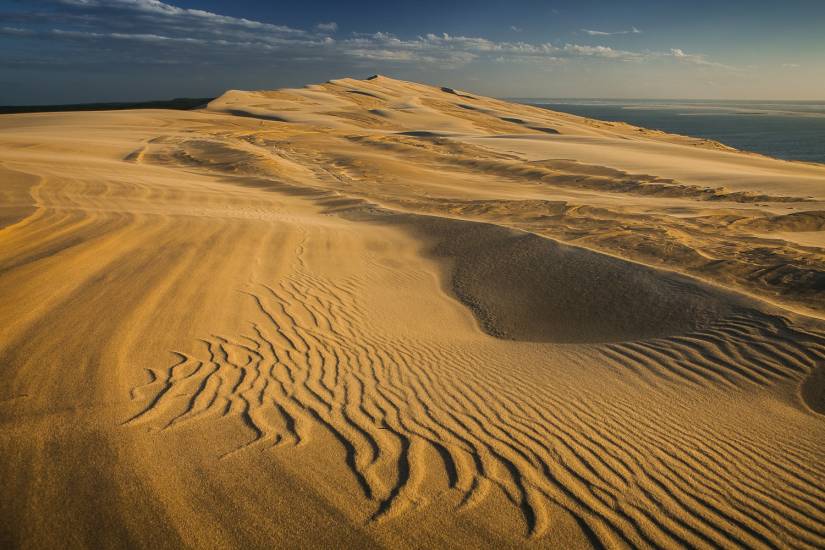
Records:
x=16, y=201
x=381, y=314
x=524, y=287
x=795, y=222
x=813, y=391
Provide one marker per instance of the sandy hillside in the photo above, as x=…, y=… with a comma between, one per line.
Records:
x=376, y=313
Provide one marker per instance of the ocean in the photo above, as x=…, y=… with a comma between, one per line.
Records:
x=791, y=130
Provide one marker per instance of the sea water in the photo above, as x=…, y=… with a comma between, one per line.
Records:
x=791, y=130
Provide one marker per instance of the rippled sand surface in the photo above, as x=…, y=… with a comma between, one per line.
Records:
x=377, y=313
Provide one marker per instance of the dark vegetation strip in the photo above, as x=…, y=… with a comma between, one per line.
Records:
x=181, y=104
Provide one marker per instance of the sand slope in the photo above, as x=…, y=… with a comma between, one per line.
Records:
x=377, y=313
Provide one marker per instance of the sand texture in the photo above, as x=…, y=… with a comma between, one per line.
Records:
x=373, y=313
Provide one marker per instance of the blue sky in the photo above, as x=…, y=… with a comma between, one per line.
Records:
x=56, y=51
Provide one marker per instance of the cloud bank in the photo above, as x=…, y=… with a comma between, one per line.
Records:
x=114, y=30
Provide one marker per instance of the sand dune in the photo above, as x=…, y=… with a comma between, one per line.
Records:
x=377, y=313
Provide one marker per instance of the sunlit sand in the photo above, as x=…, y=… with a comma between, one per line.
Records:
x=378, y=313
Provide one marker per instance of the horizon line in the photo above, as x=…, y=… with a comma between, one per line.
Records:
x=508, y=98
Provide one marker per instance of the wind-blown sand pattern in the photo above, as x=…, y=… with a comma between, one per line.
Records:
x=377, y=313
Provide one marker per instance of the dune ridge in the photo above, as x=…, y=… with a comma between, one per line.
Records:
x=710, y=190
x=378, y=313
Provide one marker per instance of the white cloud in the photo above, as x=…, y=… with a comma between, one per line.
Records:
x=516, y=29
x=158, y=12
x=332, y=26
x=143, y=37
x=591, y=32
x=14, y=31
x=697, y=59
x=602, y=51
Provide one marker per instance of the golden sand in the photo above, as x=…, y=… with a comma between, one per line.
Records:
x=376, y=313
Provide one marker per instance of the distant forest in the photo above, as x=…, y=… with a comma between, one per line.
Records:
x=181, y=103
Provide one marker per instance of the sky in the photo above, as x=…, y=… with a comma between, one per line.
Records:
x=70, y=51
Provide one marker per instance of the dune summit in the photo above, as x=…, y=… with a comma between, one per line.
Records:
x=378, y=313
